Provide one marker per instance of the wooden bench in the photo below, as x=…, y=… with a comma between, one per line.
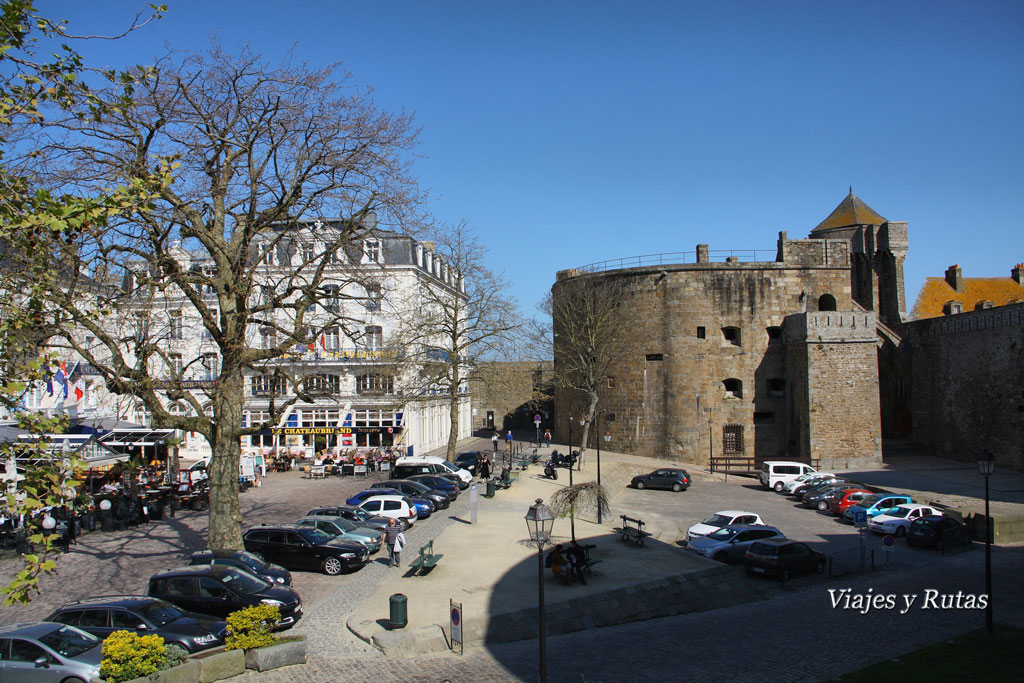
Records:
x=633, y=530
x=427, y=559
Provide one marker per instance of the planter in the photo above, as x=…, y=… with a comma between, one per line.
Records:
x=283, y=653
x=183, y=673
x=219, y=663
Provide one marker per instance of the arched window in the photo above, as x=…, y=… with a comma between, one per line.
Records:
x=826, y=302
x=733, y=388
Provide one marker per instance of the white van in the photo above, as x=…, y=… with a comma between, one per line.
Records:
x=431, y=464
x=775, y=473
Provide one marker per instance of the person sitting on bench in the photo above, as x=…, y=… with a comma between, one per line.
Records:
x=559, y=565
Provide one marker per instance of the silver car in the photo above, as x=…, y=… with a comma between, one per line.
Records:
x=342, y=528
x=44, y=652
x=730, y=543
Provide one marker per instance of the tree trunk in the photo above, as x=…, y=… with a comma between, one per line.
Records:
x=453, y=429
x=225, y=513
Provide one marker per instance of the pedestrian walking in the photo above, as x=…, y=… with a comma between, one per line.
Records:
x=508, y=441
x=494, y=441
x=391, y=535
x=399, y=544
x=547, y=437
x=485, y=468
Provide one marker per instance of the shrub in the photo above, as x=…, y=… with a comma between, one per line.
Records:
x=127, y=655
x=250, y=628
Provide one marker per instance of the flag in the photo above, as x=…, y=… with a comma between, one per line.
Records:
x=77, y=381
x=62, y=379
x=323, y=341
x=49, y=386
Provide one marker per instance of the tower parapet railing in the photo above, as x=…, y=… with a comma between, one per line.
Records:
x=680, y=258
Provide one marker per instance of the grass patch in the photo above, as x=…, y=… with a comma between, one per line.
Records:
x=973, y=655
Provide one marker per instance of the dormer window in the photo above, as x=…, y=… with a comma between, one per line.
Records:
x=371, y=251
x=981, y=305
x=419, y=255
x=953, y=307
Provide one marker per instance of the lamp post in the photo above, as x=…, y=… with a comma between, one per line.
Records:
x=986, y=466
x=540, y=520
x=607, y=436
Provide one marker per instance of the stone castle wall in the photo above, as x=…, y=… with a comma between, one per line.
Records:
x=967, y=383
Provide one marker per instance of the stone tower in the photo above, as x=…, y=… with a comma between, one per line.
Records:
x=878, y=249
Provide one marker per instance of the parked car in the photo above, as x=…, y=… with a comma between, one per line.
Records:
x=816, y=483
x=788, y=487
x=468, y=461
x=439, y=483
x=934, y=531
x=876, y=504
x=424, y=507
x=353, y=513
x=339, y=527
x=783, y=558
x=730, y=543
x=719, y=520
x=415, y=489
x=429, y=464
x=819, y=498
x=48, y=652
x=254, y=564
x=668, y=478
x=183, y=630
x=838, y=505
x=305, y=548
x=896, y=521
x=218, y=590
x=775, y=473
x=396, y=507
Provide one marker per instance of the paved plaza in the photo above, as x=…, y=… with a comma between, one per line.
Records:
x=489, y=568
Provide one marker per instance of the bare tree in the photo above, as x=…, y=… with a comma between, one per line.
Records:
x=236, y=247
x=453, y=328
x=591, y=334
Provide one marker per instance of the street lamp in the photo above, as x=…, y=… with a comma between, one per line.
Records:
x=607, y=437
x=986, y=466
x=540, y=520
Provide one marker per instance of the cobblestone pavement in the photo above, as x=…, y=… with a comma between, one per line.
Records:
x=764, y=641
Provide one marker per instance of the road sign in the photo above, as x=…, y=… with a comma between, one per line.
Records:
x=860, y=517
x=888, y=542
x=536, y=420
x=455, y=615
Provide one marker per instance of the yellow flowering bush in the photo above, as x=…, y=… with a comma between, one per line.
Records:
x=127, y=655
x=250, y=628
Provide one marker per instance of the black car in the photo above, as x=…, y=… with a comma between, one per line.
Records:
x=101, y=616
x=438, y=483
x=411, y=487
x=783, y=558
x=218, y=590
x=299, y=547
x=819, y=498
x=354, y=514
x=254, y=564
x=800, y=490
x=937, y=531
x=468, y=461
x=668, y=478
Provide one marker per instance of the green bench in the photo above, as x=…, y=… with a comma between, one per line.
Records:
x=633, y=530
x=427, y=559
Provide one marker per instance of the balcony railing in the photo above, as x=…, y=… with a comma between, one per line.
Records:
x=679, y=257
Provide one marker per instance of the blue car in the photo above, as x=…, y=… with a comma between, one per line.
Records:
x=424, y=507
x=876, y=504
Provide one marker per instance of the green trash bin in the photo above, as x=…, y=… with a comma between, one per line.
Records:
x=490, y=488
x=399, y=611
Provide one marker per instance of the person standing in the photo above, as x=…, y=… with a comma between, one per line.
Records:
x=508, y=441
x=485, y=467
x=547, y=437
x=494, y=441
x=391, y=535
x=399, y=544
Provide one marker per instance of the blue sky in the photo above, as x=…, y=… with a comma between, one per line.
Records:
x=568, y=133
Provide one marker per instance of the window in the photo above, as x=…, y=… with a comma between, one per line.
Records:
x=24, y=651
x=322, y=384
x=211, y=588
x=141, y=327
x=374, y=337
x=954, y=307
x=331, y=300
x=371, y=251
x=702, y=332
x=611, y=382
x=142, y=415
x=211, y=366
x=120, y=618
x=776, y=387
x=372, y=297
x=266, y=254
x=174, y=326
x=654, y=357
x=732, y=439
x=332, y=338
x=215, y=314
x=826, y=302
x=176, y=363
x=733, y=388
x=731, y=335
x=94, y=618
x=308, y=252
x=375, y=384
x=774, y=334
x=981, y=305
x=266, y=385
x=268, y=337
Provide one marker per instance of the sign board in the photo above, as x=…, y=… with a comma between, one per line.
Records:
x=536, y=420
x=455, y=616
x=888, y=542
x=860, y=518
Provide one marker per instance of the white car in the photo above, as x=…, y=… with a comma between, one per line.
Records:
x=388, y=505
x=790, y=486
x=775, y=473
x=896, y=521
x=719, y=520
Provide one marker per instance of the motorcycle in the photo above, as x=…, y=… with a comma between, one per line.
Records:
x=549, y=470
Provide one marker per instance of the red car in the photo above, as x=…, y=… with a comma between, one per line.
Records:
x=852, y=497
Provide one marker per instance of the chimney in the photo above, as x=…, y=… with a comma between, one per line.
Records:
x=1016, y=272
x=955, y=278
x=702, y=253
